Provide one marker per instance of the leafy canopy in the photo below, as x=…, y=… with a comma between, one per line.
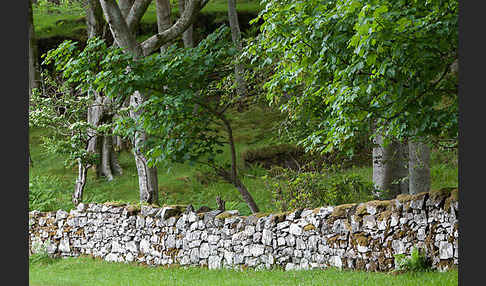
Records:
x=340, y=65
x=180, y=90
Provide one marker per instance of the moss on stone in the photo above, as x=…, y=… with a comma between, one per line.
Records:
x=403, y=198
x=444, y=192
x=341, y=210
x=332, y=240
x=384, y=215
x=224, y=215
x=133, y=209
x=261, y=214
x=454, y=196
x=359, y=238
x=115, y=204
x=309, y=227
x=280, y=217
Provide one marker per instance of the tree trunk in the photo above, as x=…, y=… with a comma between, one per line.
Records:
x=233, y=176
x=187, y=36
x=147, y=177
x=389, y=169
x=125, y=39
x=241, y=89
x=94, y=19
x=102, y=146
x=34, y=75
x=125, y=6
x=80, y=183
x=106, y=157
x=419, y=167
x=162, y=8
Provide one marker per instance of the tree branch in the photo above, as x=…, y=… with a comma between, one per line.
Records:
x=187, y=18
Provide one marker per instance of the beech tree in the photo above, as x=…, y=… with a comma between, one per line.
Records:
x=241, y=86
x=123, y=31
x=351, y=67
x=182, y=118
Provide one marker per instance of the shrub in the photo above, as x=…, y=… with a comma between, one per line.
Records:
x=417, y=261
x=292, y=190
x=40, y=255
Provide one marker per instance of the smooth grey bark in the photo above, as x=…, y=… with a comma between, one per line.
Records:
x=187, y=18
x=389, y=166
x=125, y=6
x=419, y=167
x=163, y=11
x=94, y=19
x=99, y=111
x=137, y=10
x=187, y=36
x=77, y=196
x=241, y=86
x=147, y=176
x=125, y=38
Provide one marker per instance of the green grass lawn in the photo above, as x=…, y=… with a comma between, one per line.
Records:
x=87, y=271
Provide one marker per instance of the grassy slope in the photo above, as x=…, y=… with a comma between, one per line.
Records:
x=87, y=271
x=177, y=182
x=69, y=23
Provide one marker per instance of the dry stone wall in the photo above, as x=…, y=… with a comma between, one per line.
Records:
x=355, y=236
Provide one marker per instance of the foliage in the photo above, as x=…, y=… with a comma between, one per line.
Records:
x=340, y=65
x=294, y=190
x=417, y=261
x=58, y=108
x=176, y=85
x=64, y=6
x=43, y=191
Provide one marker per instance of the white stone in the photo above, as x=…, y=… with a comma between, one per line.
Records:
x=267, y=236
x=64, y=245
x=446, y=250
x=362, y=249
x=336, y=261
x=214, y=262
x=398, y=247
x=204, y=250
x=295, y=229
x=144, y=246
x=132, y=246
x=257, y=250
x=116, y=247
x=228, y=257
x=369, y=221
x=249, y=230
